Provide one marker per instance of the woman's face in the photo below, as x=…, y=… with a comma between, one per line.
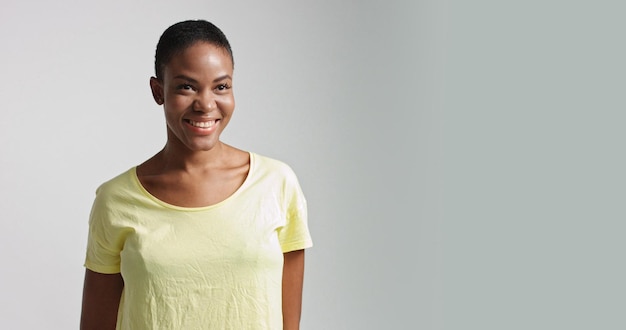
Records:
x=197, y=96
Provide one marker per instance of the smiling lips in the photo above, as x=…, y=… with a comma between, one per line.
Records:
x=202, y=124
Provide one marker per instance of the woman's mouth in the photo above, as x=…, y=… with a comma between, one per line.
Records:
x=201, y=124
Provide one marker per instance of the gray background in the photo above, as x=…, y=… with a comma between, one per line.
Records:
x=535, y=191
x=461, y=159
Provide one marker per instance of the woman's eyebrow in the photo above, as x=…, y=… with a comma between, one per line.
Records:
x=226, y=76
x=183, y=77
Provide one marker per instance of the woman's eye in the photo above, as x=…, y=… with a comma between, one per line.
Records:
x=185, y=87
x=222, y=87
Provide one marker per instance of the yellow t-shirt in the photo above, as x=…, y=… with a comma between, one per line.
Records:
x=215, y=267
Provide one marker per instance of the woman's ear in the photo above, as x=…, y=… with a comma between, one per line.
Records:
x=157, y=90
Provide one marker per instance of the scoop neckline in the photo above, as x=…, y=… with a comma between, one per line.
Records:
x=145, y=192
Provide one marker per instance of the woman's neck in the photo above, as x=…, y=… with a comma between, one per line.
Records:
x=174, y=157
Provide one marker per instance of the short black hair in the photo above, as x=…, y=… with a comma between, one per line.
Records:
x=178, y=37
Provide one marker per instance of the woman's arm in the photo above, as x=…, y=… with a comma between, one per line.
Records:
x=101, y=300
x=293, y=275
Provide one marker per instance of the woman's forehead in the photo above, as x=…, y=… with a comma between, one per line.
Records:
x=201, y=57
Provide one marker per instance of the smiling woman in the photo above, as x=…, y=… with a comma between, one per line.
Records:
x=200, y=79
x=202, y=234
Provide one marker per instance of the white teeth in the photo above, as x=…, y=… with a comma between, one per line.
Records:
x=202, y=124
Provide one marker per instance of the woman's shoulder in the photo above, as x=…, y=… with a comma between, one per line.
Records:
x=264, y=166
x=118, y=184
x=269, y=163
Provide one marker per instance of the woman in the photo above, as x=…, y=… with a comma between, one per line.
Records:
x=202, y=235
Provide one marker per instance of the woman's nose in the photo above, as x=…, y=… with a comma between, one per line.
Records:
x=205, y=103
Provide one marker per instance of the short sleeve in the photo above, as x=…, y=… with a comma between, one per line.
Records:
x=294, y=235
x=105, y=240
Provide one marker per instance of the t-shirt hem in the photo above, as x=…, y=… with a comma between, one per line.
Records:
x=102, y=269
x=293, y=246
